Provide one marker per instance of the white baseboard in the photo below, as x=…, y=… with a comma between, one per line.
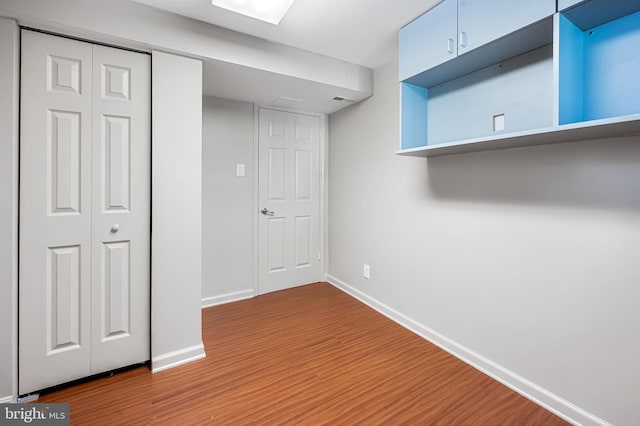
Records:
x=524, y=387
x=208, y=302
x=7, y=400
x=177, y=358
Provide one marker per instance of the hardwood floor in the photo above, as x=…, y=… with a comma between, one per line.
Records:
x=309, y=355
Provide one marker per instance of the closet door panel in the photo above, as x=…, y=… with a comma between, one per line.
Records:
x=55, y=211
x=121, y=208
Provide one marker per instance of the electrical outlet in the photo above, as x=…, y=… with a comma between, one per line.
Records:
x=240, y=170
x=366, y=271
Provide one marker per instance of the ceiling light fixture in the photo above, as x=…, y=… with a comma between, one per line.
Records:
x=271, y=11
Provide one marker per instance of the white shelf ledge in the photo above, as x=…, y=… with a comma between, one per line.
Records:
x=596, y=129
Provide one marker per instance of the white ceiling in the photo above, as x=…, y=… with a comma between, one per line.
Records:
x=362, y=32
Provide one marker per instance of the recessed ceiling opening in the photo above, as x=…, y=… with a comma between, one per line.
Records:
x=271, y=11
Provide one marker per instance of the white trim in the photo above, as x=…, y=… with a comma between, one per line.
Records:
x=9, y=138
x=7, y=400
x=16, y=214
x=523, y=386
x=256, y=196
x=177, y=358
x=208, y=302
x=323, y=199
x=324, y=196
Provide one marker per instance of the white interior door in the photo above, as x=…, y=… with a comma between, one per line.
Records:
x=84, y=167
x=289, y=195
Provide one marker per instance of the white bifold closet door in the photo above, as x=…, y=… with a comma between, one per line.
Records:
x=85, y=183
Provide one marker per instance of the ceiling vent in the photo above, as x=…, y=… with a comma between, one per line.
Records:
x=344, y=99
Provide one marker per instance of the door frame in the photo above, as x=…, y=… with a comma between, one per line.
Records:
x=323, y=213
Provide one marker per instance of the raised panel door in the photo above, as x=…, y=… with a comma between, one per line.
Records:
x=289, y=190
x=121, y=168
x=84, y=210
x=55, y=211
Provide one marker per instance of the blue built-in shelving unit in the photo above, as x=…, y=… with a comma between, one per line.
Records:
x=551, y=74
x=599, y=69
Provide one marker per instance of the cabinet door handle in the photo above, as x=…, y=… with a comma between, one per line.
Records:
x=450, y=45
x=463, y=39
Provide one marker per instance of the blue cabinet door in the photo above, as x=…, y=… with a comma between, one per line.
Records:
x=429, y=40
x=483, y=21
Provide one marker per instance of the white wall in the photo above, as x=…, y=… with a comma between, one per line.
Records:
x=176, y=211
x=227, y=201
x=522, y=261
x=9, y=76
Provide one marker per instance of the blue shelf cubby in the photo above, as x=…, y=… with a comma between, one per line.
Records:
x=599, y=69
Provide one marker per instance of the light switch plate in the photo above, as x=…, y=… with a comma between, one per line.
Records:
x=366, y=271
x=498, y=122
x=240, y=169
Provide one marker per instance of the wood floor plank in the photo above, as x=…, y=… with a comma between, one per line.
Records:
x=310, y=355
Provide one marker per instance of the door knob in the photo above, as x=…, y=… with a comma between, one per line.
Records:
x=115, y=228
x=266, y=212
